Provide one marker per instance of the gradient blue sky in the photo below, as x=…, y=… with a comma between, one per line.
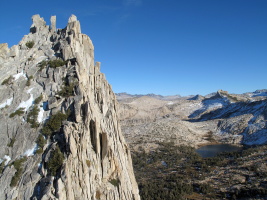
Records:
x=164, y=47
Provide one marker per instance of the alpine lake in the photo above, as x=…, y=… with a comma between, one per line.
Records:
x=213, y=150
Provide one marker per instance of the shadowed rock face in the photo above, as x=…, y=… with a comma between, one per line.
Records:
x=85, y=155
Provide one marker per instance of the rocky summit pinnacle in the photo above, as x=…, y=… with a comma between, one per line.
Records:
x=60, y=133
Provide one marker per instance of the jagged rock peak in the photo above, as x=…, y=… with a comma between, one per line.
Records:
x=61, y=136
x=38, y=21
x=196, y=97
x=74, y=24
x=222, y=92
x=72, y=18
x=53, y=23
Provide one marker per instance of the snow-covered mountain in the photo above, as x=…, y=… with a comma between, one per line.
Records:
x=244, y=118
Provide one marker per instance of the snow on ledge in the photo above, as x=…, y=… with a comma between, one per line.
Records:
x=27, y=104
x=7, y=103
x=17, y=76
x=40, y=117
x=40, y=165
x=7, y=158
x=30, y=152
x=29, y=90
x=215, y=105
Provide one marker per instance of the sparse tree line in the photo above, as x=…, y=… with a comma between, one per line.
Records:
x=175, y=172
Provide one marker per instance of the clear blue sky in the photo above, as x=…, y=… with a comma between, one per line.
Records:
x=162, y=46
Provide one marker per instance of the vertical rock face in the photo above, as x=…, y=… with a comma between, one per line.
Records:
x=66, y=144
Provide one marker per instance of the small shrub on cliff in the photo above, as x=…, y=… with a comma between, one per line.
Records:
x=39, y=151
x=8, y=81
x=115, y=182
x=56, y=63
x=30, y=59
x=41, y=141
x=38, y=99
x=12, y=141
x=54, y=123
x=32, y=116
x=42, y=65
x=67, y=90
x=18, y=166
x=28, y=83
x=55, y=161
x=46, y=130
x=19, y=112
x=51, y=63
x=29, y=44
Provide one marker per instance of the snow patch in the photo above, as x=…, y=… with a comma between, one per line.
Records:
x=27, y=104
x=170, y=103
x=29, y=90
x=40, y=165
x=209, y=105
x=215, y=105
x=17, y=76
x=7, y=158
x=30, y=152
x=7, y=103
x=40, y=117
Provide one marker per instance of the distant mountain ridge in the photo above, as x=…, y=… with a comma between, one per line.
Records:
x=231, y=118
x=125, y=95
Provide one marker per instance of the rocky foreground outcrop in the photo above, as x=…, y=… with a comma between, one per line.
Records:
x=60, y=134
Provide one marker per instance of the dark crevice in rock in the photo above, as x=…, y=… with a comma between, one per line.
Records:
x=33, y=30
x=84, y=111
x=92, y=127
x=104, y=145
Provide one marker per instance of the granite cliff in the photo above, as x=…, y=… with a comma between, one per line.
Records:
x=60, y=133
